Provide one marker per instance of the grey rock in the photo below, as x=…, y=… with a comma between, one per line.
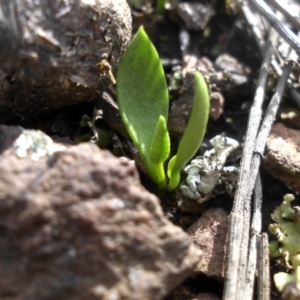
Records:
x=195, y=15
x=229, y=64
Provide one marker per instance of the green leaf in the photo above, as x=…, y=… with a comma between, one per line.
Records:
x=160, y=146
x=194, y=132
x=142, y=95
x=160, y=150
x=160, y=6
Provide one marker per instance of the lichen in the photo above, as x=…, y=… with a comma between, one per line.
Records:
x=286, y=250
x=35, y=144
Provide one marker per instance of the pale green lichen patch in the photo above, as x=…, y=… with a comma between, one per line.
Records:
x=35, y=144
x=287, y=247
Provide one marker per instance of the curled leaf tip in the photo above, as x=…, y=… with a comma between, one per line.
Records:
x=195, y=130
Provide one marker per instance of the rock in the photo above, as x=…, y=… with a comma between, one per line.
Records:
x=282, y=158
x=209, y=236
x=238, y=76
x=217, y=103
x=50, y=51
x=77, y=224
x=33, y=144
x=181, y=108
x=195, y=16
x=237, y=70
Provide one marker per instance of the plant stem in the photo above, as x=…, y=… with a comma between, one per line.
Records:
x=160, y=6
x=161, y=177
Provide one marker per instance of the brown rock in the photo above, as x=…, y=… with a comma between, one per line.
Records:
x=78, y=225
x=50, y=51
x=181, y=107
x=217, y=102
x=209, y=236
x=282, y=157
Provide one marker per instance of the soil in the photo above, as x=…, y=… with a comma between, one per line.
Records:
x=226, y=32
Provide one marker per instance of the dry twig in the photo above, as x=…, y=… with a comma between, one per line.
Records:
x=254, y=240
x=279, y=26
x=281, y=6
x=240, y=216
x=238, y=257
x=263, y=291
x=238, y=239
x=259, y=26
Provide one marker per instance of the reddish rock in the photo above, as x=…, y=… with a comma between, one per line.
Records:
x=209, y=236
x=78, y=225
x=282, y=157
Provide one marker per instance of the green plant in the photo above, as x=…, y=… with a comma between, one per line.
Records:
x=143, y=100
x=289, y=283
x=160, y=6
x=287, y=247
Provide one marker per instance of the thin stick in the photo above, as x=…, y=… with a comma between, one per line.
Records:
x=238, y=234
x=254, y=240
x=236, y=221
x=268, y=121
x=282, y=7
x=255, y=26
x=285, y=32
x=264, y=269
x=266, y=127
